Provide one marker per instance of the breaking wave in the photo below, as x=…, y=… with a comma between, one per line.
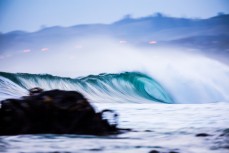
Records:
x=131, y=87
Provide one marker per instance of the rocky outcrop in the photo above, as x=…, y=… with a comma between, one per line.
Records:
x=54, y=112
x=202, y=135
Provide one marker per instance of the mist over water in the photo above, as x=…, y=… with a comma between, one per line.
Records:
x=188, y=77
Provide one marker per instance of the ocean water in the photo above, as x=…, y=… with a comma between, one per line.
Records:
x=166, y=95
x=162, y=127
x=159, y=119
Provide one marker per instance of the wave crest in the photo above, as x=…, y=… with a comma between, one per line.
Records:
x=131, y=87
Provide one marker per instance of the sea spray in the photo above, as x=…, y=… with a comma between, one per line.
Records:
x=188, y=76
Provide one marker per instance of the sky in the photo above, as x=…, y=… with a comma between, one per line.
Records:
x=32, y=15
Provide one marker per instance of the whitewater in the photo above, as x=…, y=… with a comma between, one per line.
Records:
x=164, y=95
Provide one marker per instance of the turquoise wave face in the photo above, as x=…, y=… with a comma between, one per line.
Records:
x=131, y=87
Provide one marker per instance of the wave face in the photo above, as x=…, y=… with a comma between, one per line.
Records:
x=131, y=87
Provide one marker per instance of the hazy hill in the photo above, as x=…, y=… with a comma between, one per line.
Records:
x=201, y=33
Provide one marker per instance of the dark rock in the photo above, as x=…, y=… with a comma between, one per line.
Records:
x=35, y=91
x=154, y=151
x=54, y=111
x=202, y=135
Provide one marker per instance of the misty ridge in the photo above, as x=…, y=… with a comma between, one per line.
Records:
x=211, y=35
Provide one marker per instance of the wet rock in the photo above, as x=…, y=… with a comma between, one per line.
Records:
x=148, y=131
x=202, y=135
x=164, y=151
x=154, y=151
x=35, y=91
x=54, y=111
